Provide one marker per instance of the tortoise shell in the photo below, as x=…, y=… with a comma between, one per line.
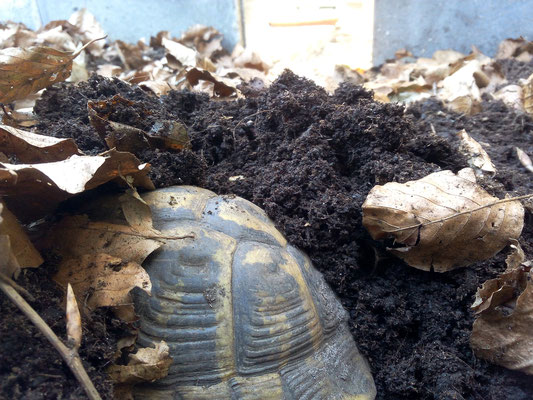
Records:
x=245, y=314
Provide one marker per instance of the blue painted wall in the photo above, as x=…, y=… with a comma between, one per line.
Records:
x=130, y=20
x=424, y=26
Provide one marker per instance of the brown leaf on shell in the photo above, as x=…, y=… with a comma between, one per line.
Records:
x=76, y=235
x=147, y=365
x=502, y=331
x=103, y=280
x=30, y=147
x=32, y=190
x=26, y=71
x=443, y=220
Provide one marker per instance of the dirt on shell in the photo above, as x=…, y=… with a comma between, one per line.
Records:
x=309, y=159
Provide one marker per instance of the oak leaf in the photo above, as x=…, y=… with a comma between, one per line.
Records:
x=442, y=221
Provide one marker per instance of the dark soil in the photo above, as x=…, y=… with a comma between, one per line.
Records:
x=30, y=368
x=309, y=159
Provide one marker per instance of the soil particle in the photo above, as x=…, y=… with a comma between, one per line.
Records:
x=309, y=159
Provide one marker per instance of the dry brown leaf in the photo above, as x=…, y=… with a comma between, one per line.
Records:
x=22, y=253
x=502, y=331
x=103, y=280
x=157, y=87
x=77, y=235
x=73, y=320
x=137, y=213
x=476, y=155
x=147, y=365
x=220, y=89
x=527, y=95
x=205, y=39
x=517, y=48
x=183, y=54
x=464, y=105
x=32, y=148
x=130, y=55
x=443, y=220
x=32, y=190
x=524, y=159
x=88, y=29
x=250, y=59
x=26, y=71
x=8, y=263
x=511, y=95
x=109, y=70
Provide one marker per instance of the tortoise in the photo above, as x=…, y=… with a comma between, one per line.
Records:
x=245, y=314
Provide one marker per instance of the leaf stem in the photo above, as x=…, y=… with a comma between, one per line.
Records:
x=70, y=356
x=422, y=224
x=76, y=54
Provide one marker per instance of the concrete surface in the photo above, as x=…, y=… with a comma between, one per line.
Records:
x=132, y=19
x=424, y=26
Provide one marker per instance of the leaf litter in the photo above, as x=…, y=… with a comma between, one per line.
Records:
x=283, y=130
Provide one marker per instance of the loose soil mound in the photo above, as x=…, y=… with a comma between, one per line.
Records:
x=309, y=159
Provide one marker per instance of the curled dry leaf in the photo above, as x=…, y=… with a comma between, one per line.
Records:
x=103, y=280
x=443, y=220
x=17, y=249
x=32, y=190
x=147, y=365
x=502, y=331
x=524, y=159
x=183, y=54
x=220, y=89
x=32, y=148
x=26, y=71
x=73, y=320
x=476, y=155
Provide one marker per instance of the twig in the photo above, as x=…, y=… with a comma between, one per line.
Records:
x=70, y=356
x=422, y=224
x=17, y=287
